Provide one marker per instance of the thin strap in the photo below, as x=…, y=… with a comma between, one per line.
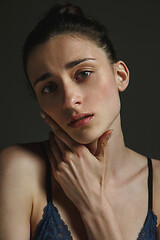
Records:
x=48, y=175
x=150, y=183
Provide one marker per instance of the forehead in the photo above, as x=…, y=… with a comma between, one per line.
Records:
x=59, y=50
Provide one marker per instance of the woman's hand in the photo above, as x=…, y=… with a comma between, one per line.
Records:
x=80, y=174
x=82, y=177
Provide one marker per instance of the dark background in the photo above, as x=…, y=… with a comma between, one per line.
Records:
x=134, y=27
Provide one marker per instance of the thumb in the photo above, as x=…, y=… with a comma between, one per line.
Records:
x=102, y=143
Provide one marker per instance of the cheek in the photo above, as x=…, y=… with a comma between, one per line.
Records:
x=104, y=94
x=111, y=98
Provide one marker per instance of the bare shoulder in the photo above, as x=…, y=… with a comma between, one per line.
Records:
x=27, y=154
x=156, y=172
x=156, y=161
x=22, y=169
x=23, y=163
x=156, y=189
x=22, y=160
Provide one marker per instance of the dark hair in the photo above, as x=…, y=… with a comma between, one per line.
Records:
x=65, y=19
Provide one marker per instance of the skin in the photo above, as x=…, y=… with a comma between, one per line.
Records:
x=95, y=175
x=73, y=97
x=74, y=94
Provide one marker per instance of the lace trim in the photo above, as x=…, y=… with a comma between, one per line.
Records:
x=51, y=226
x=149, y=228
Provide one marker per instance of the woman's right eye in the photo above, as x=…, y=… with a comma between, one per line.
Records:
x=48, y=89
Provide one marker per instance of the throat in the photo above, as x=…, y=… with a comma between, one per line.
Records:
x=92, y=147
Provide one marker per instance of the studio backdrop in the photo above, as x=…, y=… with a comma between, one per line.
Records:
x=134, y=28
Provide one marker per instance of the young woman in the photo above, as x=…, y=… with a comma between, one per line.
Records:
x=83, y=183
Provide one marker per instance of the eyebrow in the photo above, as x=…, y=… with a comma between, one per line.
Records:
x=68, y=65
x=76, y=62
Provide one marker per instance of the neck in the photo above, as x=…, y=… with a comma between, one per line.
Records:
x=117, y=153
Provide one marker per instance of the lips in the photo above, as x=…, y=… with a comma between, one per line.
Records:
x=80, y=120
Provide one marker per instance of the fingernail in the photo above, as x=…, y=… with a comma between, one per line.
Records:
x=43, y=115
x=110, y=133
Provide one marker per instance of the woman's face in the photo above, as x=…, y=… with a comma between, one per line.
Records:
x=76, y=85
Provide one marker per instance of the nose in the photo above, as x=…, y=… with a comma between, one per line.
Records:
x=72, y=97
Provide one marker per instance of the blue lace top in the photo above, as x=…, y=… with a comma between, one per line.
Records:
x=52, y=227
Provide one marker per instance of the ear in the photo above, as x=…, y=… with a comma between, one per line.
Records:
x=121, y=75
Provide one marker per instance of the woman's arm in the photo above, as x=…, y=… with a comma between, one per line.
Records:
x=83, y=178
x=101, y=223
x=15, y=194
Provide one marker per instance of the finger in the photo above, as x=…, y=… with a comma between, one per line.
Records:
x=102, y=143
x=51, y=158
x=62, y=146
x=55, y=149
x=53, y=162
x=67, y=154
x=59, y=132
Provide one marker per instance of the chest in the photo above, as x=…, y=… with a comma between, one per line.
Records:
x=130, y=221
x=130, y=214
x=67, y=215
x=130, y=206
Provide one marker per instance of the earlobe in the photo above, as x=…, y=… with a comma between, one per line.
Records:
x=122, y=75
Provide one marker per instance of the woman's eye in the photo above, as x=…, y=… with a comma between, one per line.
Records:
x=83, y=74
x=48, y=89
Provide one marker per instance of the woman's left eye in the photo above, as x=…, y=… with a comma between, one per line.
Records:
x=82, y=75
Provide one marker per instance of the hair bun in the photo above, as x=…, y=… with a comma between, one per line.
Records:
x=68, y=8
x=64, y=9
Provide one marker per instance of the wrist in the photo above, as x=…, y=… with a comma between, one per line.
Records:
x=95, y=206
x=97, y=211
x=101, y=222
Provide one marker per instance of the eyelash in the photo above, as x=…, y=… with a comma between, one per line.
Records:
x=52, y=87
x=85, y=71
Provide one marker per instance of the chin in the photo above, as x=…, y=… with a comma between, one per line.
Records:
x=85, y=141
x=86, y=137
